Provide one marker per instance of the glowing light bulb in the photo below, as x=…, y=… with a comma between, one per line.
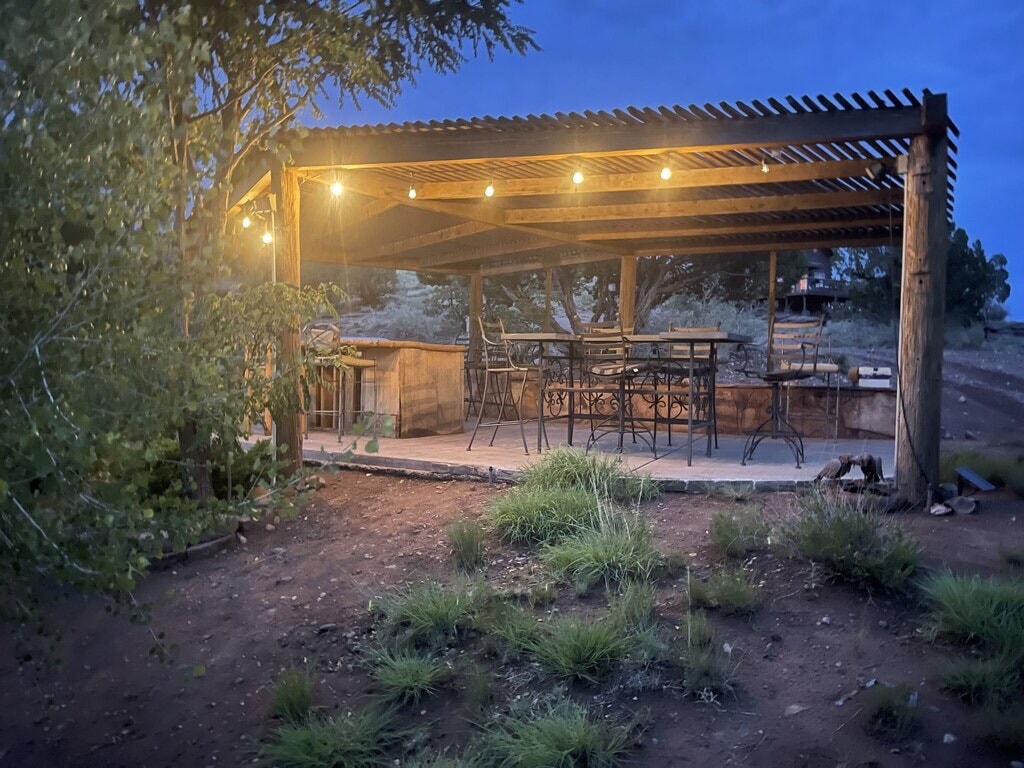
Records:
x=489, y=190
x=577, y=177
x=337, y=188
x=246, y=222
x=412, y=192
x=764, y=166
x=666, y=173
x=268, y=238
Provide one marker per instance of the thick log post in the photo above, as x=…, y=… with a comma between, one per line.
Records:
x=476, y=311
x=627, y=292
x=285, y=184
x=922, y=307
x=773, y=269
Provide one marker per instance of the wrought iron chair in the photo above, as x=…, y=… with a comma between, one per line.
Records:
x=500, y=370
x=792, y=355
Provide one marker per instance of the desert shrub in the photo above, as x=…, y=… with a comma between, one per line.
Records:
x=428, y=615
x=854, y=543
x=600, y=474
x=466, y=538
x=518, y=628
x=735, y=533
x=527, y=514
x=292, y=696
x=580, y=649
x=727, y=590
x=982, y=681
x=619, y=549
x=890, y=711
x=970, y=609
x=633, y=606
x=555, y=735
x=862, y=332
x=699, y=632
x=361, y=740
x=406, y=676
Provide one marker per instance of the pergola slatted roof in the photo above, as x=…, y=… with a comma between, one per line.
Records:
x=746, y=178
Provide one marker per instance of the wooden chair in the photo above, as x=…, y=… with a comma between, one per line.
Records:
x=792, y=355
x=500, y=370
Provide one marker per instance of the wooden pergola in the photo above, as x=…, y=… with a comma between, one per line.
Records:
x=489, y=196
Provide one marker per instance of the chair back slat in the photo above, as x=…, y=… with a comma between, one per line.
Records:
x=494, y=349
x=700, y=351
x=794, y=343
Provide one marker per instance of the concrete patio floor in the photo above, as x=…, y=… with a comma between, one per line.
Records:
x=772, y=468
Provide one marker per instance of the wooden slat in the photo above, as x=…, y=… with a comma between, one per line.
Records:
x=736, y=228
x=769, y=245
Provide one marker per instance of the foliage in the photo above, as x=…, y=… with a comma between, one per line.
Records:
x=602, y=475
x=361, y=740
x=890, y=711
x=292, y=696
x=991, y=681
x=466, y=538
x=855, y=543
x=699, y=632
x=705, y=667
x=735, y=533
x=726, y=590
x=634, y=606
x=554, y=735
x=428, y=614
x=578, y=648
x=971, y=609
x=617, y=550
x=406, y=676
x=526, y=514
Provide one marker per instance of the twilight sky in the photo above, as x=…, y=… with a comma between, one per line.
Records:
x=606, y=54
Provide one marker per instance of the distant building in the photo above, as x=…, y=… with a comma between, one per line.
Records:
x=816, y=290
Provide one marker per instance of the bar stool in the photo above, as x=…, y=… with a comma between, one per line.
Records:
x=499, y=371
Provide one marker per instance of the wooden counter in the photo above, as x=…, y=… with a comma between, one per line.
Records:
x=418, y=384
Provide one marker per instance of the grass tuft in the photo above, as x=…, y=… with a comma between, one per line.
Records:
x=989, y=612
x=633, y=607
x=559, y=735
x=405, y=676
x=527, y=514
x=890, y=711
x=854, y=543
x=619, y=549
x=735, y=533
x=1005, y=728
x=516, y=627
x=599, y=474
x=292, y=698
x=359, y=741
x=428, y=615
x=727, y=590
x=699, y=632
x=982, y=681
x=466, y=538
x=575, y=648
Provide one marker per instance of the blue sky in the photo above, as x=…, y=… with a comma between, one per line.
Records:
x=603, y=54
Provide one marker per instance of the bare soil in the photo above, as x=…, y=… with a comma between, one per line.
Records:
x=299, y=594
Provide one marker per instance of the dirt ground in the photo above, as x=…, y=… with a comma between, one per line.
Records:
x=299, y=594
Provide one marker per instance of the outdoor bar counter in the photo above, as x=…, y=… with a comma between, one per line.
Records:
x=419, y=385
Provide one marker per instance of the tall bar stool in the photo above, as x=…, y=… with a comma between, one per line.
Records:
x=500, y=370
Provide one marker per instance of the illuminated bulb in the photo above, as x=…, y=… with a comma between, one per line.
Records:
x=666, y=173
x=764, y=166
x=268, y=238
x=412, y=192
x=577, y=177
x=246, y=222
x=337, y=189
x=489, y=190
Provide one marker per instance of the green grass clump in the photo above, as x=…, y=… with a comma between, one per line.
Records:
x=1004, y=728
x=890, y=711
x=580, y=649
x=359, y=741
x=989, y=612
x=727, y=590
x=466, y=538
x=633, y=607
x=527, y=514
x=599, y=474
x=405, y=676
x=292, y=697
x=699, y=632
x=559, y=735
x=734, y=534
x=854, y=543
x=428, y=615
x=982, y=681
x=516, y=627
x=619, y=549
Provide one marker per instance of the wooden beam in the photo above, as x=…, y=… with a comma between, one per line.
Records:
x=627, y=293
x=729, y=205
x=562, y=260
x=767, y=245
x=922, y=311
x=476, y=313
x=446, y=235
x=470, y=254
x=348, y=149
x=288, y=260
x=682, y=178
x=848, y=222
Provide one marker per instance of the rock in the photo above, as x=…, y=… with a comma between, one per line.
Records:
x=326, y=628
x=278, y=551
x=961, y=399
x=283, y=579
x=947, y=435
x=949, y=738
x=940, y=510
x=793, y=709
x=883, y=624
x=271, y=527
x=968, y=435
x=241, y=538
x=825, y=620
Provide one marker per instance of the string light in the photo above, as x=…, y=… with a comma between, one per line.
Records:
x=764, y=166
x=246, y=222
x=412, y=192
x=337, y=188
x=666, y=173
x=489, y=190
x=577, y=177
x=267, y=238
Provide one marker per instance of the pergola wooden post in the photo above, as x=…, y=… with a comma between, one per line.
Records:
x=476, y=311
x=285, y=184
x=627, y=292
x=922, y=307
